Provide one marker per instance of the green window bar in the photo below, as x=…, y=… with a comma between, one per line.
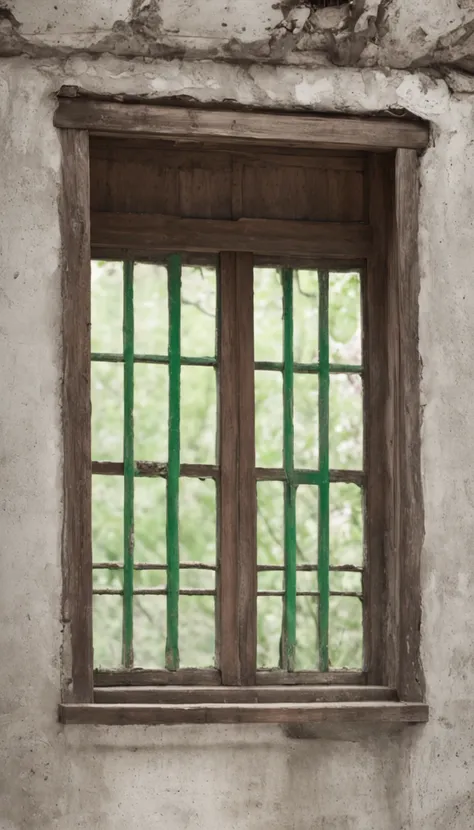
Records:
x=323, y=523
x=289, y=604
x=128, y=465
x=172, y=492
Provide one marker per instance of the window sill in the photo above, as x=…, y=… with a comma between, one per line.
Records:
x=227, y=711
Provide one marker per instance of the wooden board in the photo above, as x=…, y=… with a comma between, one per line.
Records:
x=146, y=714
x=148, y=233
x=235, y=694
x=107, y=118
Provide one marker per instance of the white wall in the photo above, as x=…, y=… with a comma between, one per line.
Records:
x=75, y=778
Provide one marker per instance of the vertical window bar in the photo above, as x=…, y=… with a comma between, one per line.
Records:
x=323, y=523
x=128, y=465
x=172, y=490
x=288, y=645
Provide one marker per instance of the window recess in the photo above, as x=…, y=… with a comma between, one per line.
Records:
x=233, y=547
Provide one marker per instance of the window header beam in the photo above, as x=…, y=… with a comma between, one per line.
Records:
x=291, y=131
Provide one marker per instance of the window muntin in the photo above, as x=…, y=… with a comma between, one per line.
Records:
x=309, y=603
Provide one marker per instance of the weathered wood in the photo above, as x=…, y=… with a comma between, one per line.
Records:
x=152, y=469
x=247, y=487
x=277, y=677
x=235, y=694
x=77, y=542
x=147, y=714
x=106, y=118
x=157, y=677
x=228, y=441
x=146, y=233
x=411, y=680
x=375, y=357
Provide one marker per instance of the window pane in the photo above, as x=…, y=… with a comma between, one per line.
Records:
x=149, y=631
x=151, y=412
x=107, y=411
x=197, y=520
x=107, y=307
x=270, y=523
x=307, y=524
x=306, y=555
x=198, y=311
x=345, y=632
x=268, y=314
x=305, y=316
x=345, y=342
x=197, y=635
x=198, y=415
x=345, y=422
x=269, y=619
x=269, y=419
x=107, y=631
x=305, y=418
x=346, y=524
x=107, y=518
x=151, y=308
x=150, y=520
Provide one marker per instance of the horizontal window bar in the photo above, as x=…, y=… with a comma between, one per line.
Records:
x=310, y=594
x=200, y=566
x=154, y=469
x=145, y=566
x=261, y=365
x=162, y=360
x=159, y=592
x=309, y=368
x=157, y=469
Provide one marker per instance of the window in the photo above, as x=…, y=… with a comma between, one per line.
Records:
x=235, y=493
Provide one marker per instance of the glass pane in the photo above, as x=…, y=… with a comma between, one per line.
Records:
x=151, y=308
x=305, y=397
x=197, y=635
x=198, y=415
x=196, y=579
x=269, y=619
x=107, y=518
x=345, y=422
x=198, y=311
x=270, y=523
x=345, y=632
x=149, y=631
x=305, y=316
x=107, y=411
x=197, y=520
x=268, y=314
x=346, y=581
x=307, y=524
x=346, y=525
x=306, y=656
x=306, y=554
x=271, y=580
x=106, y=306
x=345, y=342
x=107, y=631
x=150, y=521
x=151, y=412
x=269, y=419
x=107, y=578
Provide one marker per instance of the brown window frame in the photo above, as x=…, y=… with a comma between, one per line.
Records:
x=391, y=685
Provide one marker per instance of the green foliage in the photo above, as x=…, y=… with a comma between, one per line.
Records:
x=198, y=445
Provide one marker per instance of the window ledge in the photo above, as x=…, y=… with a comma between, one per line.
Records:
x=361, y=712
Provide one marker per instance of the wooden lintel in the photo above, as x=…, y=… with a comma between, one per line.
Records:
x=297, y=130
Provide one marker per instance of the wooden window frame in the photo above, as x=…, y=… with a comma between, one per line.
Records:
x=391, y=686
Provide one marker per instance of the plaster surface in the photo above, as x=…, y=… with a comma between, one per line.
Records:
x=387, y=33
x=73, y=778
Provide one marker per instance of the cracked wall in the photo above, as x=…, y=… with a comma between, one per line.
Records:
x=365, y=33
x=403, y=56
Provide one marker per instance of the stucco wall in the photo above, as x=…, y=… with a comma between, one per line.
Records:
x=210, y=777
